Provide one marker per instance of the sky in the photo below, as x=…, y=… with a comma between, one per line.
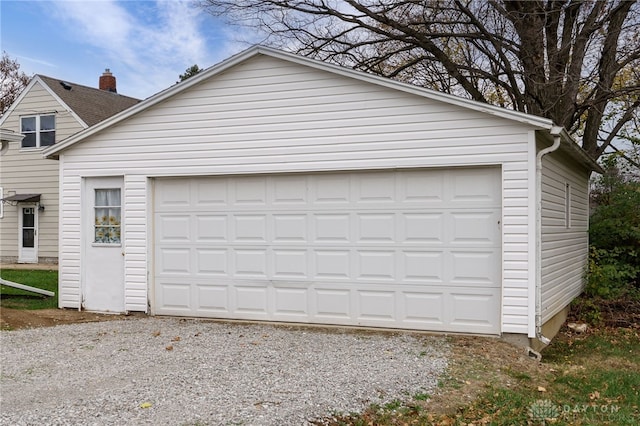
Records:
x=146, y=44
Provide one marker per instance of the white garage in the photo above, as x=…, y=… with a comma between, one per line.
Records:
x=274, y=187
x=408, y=249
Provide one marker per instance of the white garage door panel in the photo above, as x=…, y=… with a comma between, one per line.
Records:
x=212, y=298
x=175, y=295
x=417, y=249
x=468, y=310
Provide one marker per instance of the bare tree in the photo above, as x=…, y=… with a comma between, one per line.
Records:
x=12, y=81
x=575, y=62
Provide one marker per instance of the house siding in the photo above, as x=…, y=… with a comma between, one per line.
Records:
x=564, y=246
x=69, y=275
x=266, y=115
x=25, y=171
x=135, y=243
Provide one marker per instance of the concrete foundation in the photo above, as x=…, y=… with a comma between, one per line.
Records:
x=549, y=330
x=13, y=260
x=33, y=266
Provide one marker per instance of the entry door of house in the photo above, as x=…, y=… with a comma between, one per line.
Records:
x=103, y=265
x=28, y=233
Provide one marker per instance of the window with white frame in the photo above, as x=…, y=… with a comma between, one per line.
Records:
x=38, y=130
x=107, y=216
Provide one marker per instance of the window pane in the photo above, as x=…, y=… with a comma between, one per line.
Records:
x=47, y=122
x=101, y=234
x=102, y=216
x=107, y=234
x=114, y=234
x=107, y=197
x=28, y=124
x=107, y=216
x=101, y=197
x=29, y=140
x=113, y=197
x=28, y=237
x=28, y=217
x=47, y=138
x=114, y=217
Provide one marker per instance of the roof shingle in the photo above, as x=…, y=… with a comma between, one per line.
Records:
x=90, y=104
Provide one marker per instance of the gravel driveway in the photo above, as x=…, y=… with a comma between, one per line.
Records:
x=188, y=372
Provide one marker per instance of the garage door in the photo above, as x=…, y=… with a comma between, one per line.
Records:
x=400, y=249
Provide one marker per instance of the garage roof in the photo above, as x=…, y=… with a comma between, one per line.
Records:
x=538, y=123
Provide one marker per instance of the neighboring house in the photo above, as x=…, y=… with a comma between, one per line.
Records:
x=47, y=111
x=275, y=187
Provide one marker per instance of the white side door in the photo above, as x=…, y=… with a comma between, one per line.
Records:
x=103, y=260
x=27, y=233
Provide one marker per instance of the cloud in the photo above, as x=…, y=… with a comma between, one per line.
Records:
x=103, y=24
x=147, y=43
x=24, y=59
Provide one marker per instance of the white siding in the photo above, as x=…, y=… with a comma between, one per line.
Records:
x=135, y=243
x=565, y=245
x=70, y=241
x=515, y=245
x=266, y=115
x=26, y=172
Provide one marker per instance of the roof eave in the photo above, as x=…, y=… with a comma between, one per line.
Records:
x=578, y=153
x=53, y=151
x=538, y=123
x=21, y=96
x=532, y=120
x=10, y=136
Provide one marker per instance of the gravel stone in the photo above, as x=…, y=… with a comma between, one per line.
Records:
x=163, y=371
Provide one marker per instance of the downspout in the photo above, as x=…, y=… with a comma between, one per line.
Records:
x=555, y=132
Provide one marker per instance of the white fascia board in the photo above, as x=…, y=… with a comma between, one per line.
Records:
x=531, y=120
x=538, y=123
x=580, y=154
x=569, y=146
x=35, y=80
x=17, y=101
x=150, y=101
x=9, y=136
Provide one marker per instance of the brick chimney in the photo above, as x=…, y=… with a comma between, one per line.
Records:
x=107, y=81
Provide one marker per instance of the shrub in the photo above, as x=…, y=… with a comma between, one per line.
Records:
x=614, y=233
x=609, y=276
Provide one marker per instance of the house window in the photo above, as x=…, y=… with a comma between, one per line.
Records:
x=28, y=227
x=38, y=130
x=107, y=216
x=567, y=205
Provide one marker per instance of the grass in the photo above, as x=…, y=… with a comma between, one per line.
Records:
x=586, y=379
x=591, y=380
x=19, y=299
